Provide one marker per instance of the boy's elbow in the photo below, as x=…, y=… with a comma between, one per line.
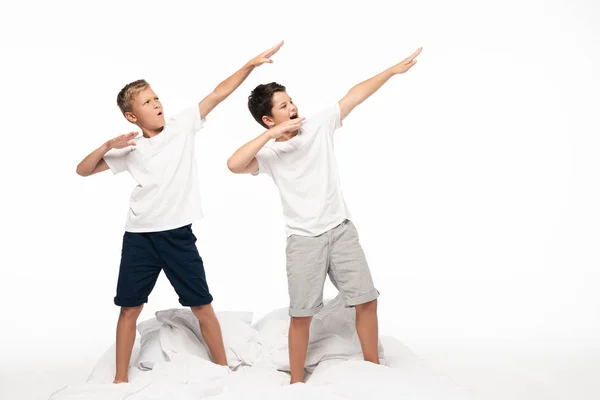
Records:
x=232, y=167
x=80, y=171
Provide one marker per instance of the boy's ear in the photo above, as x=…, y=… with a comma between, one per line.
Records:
x=130, y=117
x=268, y=121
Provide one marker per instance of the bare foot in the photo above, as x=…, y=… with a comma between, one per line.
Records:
x=121, y=381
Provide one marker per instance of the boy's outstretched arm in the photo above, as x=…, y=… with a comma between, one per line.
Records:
x=243, y=161
x=228, y=86
x=363, y=90
x=94, y=162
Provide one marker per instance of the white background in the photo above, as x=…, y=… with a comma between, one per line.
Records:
x=473, y=179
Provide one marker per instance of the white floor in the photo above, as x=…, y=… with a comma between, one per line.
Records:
x=499, y=373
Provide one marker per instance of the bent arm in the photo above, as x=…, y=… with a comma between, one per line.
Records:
x=243, y=161
x=94, y=162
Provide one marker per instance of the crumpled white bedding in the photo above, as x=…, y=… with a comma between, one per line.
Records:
x=170, y=362
x=190, y=377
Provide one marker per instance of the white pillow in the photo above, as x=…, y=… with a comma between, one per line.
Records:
x=181, y=333
x=279, y=314
x=178, y=336
x=397, y=354
x=335, y=336
x=332, y=336
x=240, y=339
x=150, y=348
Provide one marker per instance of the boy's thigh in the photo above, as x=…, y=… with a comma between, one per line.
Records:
x=349, y=270
x=184, y=266
x=139, y=269
x=306, y=265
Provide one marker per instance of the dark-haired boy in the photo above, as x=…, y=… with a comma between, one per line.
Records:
x=321, y=239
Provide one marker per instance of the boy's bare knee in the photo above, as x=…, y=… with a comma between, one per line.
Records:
x=300, y=322
x=131, y=312
x=203, y=312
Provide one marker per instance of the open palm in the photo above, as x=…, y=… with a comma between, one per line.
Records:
x=265, y=57
x=407, y=63
x=122, y=141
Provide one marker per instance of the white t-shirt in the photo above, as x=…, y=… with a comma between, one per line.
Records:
x=164, y=166
x=305, y=170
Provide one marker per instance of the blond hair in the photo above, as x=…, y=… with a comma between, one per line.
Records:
x=128, y=93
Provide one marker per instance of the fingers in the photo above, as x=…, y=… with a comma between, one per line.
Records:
x=413, y=55
x=292, y=124
x=123, y=140
x=126, y=136
x=273, y=50
x=130, y=136
x=296, y=121
x=416, y=53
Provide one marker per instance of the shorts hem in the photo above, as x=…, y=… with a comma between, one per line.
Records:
x=198, y=302
x=365, y=298
x=134, y=303
x=303, y=312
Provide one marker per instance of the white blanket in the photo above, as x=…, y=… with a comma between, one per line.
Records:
x=189, y=377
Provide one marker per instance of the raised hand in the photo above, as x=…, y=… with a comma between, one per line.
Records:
x=122, y=141
x=265, y=56
x=286, y=127
x=407, y=63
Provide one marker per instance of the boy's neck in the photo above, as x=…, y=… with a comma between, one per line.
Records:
x=149, y=133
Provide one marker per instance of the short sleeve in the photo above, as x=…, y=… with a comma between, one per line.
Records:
x=328, y=118
x=263, y=158
x=116, y=159
x=188, y=120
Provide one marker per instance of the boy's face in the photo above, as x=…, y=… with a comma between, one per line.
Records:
x=283, y=110
x=146, y=110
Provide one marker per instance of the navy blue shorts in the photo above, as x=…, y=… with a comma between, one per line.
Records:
x=144, y=255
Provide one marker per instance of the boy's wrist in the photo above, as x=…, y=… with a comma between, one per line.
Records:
x=271, y=133
x=266, y=135
x=388, y=73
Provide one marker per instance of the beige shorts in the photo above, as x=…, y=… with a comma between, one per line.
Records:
x=336, y=252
